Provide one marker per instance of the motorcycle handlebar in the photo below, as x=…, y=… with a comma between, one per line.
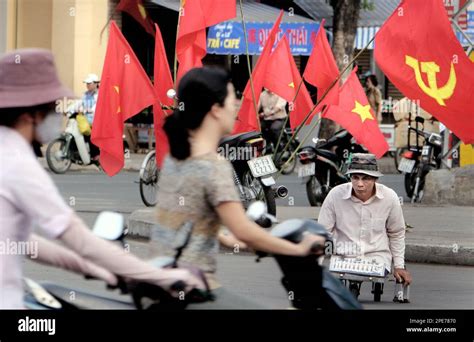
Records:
x=317, y=248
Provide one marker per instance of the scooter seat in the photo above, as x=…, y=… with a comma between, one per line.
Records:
x=85, y=301
x=237, y=139
x=328, y=154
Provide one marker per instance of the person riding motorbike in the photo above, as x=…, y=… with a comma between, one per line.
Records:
x=272, y=113
x=196, y=184
x=89, y=100
x=29, y=200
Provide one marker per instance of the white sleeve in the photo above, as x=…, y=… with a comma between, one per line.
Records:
x=396, y=233
x=327, y=214
x=36, y=195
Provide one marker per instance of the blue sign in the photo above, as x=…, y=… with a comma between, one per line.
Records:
x=228, y=38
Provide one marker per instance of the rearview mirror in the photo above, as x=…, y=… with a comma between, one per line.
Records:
x=256, y=210
x=183, y=235
x=171, y=93
x=109, y=226
x=419, y=119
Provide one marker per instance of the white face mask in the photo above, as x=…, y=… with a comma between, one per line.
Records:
x=50, y=128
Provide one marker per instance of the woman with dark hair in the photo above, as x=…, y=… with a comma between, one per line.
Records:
x=374, y=95
x=196, y=184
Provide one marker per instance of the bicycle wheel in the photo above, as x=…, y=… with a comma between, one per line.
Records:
x=149, y=175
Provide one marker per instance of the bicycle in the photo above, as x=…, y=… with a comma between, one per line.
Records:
x=148, y=183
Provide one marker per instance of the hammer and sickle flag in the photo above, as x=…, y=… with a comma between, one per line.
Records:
x=418, y=51
x=125, y=90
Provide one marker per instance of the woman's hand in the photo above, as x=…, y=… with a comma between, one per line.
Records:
x=309, y=241
x=172, y=276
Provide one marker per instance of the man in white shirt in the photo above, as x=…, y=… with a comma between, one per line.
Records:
x=272, y=112
x=366, y=218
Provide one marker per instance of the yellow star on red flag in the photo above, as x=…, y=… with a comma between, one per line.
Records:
x=362, y=111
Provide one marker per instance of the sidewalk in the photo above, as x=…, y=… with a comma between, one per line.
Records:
x=133, y=163
x=441, y=235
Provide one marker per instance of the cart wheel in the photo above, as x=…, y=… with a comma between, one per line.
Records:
x=354, y=288
x=377, y=291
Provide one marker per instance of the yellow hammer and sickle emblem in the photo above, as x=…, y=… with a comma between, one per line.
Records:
x=142, y=11
x=117, y=89
x=431, y=69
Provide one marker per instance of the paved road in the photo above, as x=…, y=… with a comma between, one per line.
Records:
x=91, y=191
x=434, y=287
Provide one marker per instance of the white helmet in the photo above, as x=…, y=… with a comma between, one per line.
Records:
x=91, y=78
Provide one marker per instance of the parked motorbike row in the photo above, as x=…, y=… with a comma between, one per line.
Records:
x=322, y=166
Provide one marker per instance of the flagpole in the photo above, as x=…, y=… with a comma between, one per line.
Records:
x=176, y=42
x=254, y=98
x=286, y=121
x=313, y=126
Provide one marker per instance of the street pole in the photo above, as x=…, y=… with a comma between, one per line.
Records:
x=254, y=98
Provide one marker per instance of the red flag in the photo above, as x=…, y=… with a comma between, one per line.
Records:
x=125, y=90
x=417, y=50
x=322, y=70
x=136, y=9
x=355, y=114
x=163, y=82
x=247, y=117
x=196, y=15
x=283, y=78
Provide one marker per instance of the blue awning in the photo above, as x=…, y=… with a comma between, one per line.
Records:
x=469, y=31
x=228, y=38
x=364, y=35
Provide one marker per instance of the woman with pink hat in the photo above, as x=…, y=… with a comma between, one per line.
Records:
x=29, y=90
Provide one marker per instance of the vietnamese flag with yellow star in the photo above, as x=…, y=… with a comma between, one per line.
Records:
x=136, y=9
x=125, y=90
x=355, y=114
x=283, y=78
x=418, y=51
x=247, y=116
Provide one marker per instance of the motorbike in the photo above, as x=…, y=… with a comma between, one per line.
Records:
x=252, y=169
x=71, y=147
x=418, y=161
x=309, y=284
x=323, y=166
x=138, y=295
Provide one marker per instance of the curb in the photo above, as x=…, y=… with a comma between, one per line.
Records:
x=74, y=167
x=141, y=221
x=439, y=254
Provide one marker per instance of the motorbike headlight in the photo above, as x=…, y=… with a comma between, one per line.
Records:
x=435, y=139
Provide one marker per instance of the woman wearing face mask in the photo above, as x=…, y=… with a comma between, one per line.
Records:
x=196, y=184
x=29, y=87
